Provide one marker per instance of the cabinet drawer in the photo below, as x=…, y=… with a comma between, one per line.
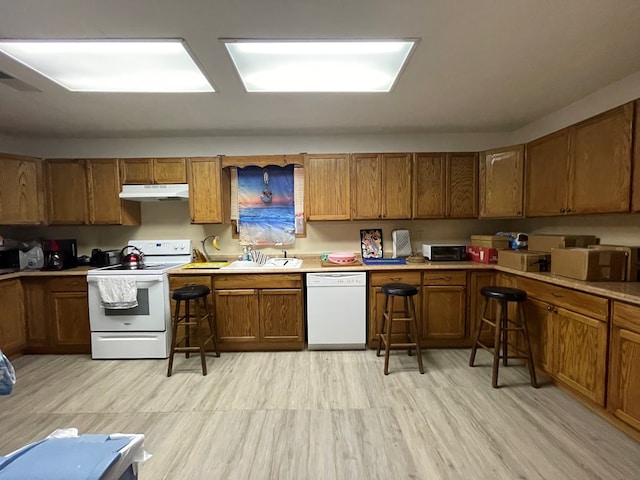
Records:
x=584, y=303
x=292, y=280
x=626, y=316
x=182, y=281
x=380, y=278
x=68, y=284
x=446, y=277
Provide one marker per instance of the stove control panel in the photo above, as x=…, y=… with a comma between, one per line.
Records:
x=162, y=247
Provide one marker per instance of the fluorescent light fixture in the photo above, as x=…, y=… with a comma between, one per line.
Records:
x=319, y=66
x=112, y=65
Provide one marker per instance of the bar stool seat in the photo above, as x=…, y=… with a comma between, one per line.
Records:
x=502, y=325
x=196, y=294
x=406, y=292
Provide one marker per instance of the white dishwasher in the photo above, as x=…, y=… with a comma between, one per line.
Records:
x=336, y=311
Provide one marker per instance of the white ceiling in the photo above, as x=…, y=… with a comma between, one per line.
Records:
x=481, y=65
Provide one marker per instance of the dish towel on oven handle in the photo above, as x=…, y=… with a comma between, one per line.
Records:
x=118, y=293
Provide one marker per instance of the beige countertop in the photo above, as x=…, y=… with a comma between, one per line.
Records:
x=624, y=291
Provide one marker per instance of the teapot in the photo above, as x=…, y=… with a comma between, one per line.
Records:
x=134, y=259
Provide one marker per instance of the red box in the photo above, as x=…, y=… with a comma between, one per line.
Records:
x=482, y=254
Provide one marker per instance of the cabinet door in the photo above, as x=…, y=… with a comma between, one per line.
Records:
x=13, y=332
x=70, y=321
x=581, y=353
x=376, y=307
x=281, y=315
x=36, y=303
x=635, y=183
x=501, y=182
x=105, y=206
x=327, y=187
x=67, y=192
x=136, y=170
x=462, y=185
x=22, y=191
x=601, y=163
x=443, y=312
x=429, y=180
x=396, y=185
x=169, y=170
x=366, y=186
x=480, y=280
x=624, y=365
x=237, y=316
x=547, y=175
x=208, y=193
x=541, y=323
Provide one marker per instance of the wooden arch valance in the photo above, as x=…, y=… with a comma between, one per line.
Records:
x=241, y=161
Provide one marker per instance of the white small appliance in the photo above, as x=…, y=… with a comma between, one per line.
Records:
x=143, y=331
x=401, y=243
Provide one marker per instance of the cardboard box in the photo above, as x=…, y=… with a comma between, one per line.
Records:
x=632, y=271
x=482, y=254
x=589, y=264
x=544, y=243
x=524, y=260
x=490, y=241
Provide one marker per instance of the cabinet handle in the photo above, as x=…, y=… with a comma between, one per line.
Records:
x=519, y=212
x=568, y=210
x=396, y=279
x=557, y=295
x=446, y=279
x=563, y=210
x=549, y=308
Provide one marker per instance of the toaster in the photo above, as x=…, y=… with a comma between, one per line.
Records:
x=104, y=258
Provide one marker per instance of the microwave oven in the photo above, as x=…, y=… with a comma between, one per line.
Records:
x=445, y=252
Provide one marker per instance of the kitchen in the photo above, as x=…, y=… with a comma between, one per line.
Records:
x=136, y=139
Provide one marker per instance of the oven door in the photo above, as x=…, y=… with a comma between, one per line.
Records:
x=151, y=314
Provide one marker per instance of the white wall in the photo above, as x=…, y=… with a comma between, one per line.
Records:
x=262, y=145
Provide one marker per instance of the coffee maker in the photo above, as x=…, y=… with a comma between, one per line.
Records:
x=60, y=254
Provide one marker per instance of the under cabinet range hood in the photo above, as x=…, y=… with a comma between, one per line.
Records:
x=155, y=193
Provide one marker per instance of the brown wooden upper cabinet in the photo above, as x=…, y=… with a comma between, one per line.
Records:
x=501, y=182
x=66, y=192
x=327, y=186
x=153, y=170
x=21, y=191
x=585, y=168
x=635, y=184
x=209, y=190
x=105, y=205
x=380, y=185
x=445, y=185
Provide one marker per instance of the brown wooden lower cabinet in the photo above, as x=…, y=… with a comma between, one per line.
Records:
x=259, y=312
x=569, y=335
x=377, y=298
x=69, y=321
x=624, y=364
x=444, y=306
x=479, y=280
x=13, y=332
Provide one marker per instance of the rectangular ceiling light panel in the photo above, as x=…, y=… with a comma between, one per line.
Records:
x=112, y=65
x=319, y=66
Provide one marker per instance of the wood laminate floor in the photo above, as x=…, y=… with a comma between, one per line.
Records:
x=320, y=415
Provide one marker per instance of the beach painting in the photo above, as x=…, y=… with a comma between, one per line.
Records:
x=266, y=208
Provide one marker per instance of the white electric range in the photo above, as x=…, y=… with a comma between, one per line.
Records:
x=143, y=331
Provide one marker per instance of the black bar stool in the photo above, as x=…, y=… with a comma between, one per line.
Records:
x=503, y=325
x=198, y=295
x=406, y=292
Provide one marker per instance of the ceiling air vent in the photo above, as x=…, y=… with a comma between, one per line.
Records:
x=16, y=83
